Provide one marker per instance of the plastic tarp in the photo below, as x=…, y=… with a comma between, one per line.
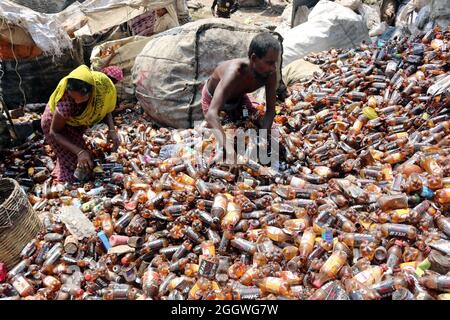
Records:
x=46, y=6
x=329, y=25
x=33, y=80
x=170, y=71
x=16, y=35
x=44, y=29
x=126, y=52
x=99, y=15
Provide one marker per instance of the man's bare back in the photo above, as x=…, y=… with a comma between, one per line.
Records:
x=238, y=72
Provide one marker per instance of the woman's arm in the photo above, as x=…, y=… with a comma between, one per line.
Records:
x=58, y=123
x=110, y=122
x=112, y=134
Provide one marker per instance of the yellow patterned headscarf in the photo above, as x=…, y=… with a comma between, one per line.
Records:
x=102, y=100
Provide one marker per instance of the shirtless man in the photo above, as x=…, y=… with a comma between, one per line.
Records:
x=227, y=88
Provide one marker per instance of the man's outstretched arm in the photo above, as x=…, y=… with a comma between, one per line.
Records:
x=220, y=96
x=270, y=102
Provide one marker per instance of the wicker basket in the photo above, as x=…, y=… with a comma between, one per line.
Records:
x=19, y=224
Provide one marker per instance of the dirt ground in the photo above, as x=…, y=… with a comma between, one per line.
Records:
x=259, y=16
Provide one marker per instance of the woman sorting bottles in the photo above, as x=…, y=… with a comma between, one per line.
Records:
x=82, y=99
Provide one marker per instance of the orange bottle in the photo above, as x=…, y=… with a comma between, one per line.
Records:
x=289, y=252
x=275, y=234
x=232, y=216
x=371, y=275
x=394, y=255
x=249, y=275
x=237, y=270
x=395, y=157
x=306, y=244
x=107, y=224
x=185, y=179
x=431, y=166
x=441, y=283
x=273, y=285
x=330, y=268
x=443, y=196
x=398, y=230
x=150, y=282
x=219, y=207
x=298, y=225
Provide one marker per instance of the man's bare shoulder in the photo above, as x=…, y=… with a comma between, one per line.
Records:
x=234, y=66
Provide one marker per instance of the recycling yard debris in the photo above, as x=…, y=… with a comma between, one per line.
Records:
x=354, y=205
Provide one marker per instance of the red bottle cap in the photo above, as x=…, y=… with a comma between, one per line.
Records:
x=3, y=272
x=399, y=243
x=79, y=293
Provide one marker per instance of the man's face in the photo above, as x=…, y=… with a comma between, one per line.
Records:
x=264, y=67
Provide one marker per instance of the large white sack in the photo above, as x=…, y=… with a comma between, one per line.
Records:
x=370, y=15
x=126, y=51
x=329, y=25
x=351, y=4
x=440, y=12
x=301, y=16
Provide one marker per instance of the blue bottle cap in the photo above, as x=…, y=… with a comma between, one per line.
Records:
x=102, y=236
x=327, y=236
x=426, y=193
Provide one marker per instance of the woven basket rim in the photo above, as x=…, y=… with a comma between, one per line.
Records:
x=15, y=186
x=6, y=205
x=18, y=234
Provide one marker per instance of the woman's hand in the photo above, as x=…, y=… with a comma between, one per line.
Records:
x=114, y=138
x=84, y=160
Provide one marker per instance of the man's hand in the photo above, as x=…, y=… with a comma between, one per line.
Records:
x=114, y=138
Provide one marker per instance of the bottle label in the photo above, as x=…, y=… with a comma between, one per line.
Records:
x=332, y=266
x=398, y=230
x=250, y=294
x=101, y=283
x=248, y=182
x=363, y=277
x=207, y=268
x=21, y=285
x=385, y=289
x=360, y=238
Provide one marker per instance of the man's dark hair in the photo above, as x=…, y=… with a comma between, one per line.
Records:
x=78, y=85
x=261, y=43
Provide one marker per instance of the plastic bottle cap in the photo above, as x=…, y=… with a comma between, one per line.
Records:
x=398, y=243
x=384, y=267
